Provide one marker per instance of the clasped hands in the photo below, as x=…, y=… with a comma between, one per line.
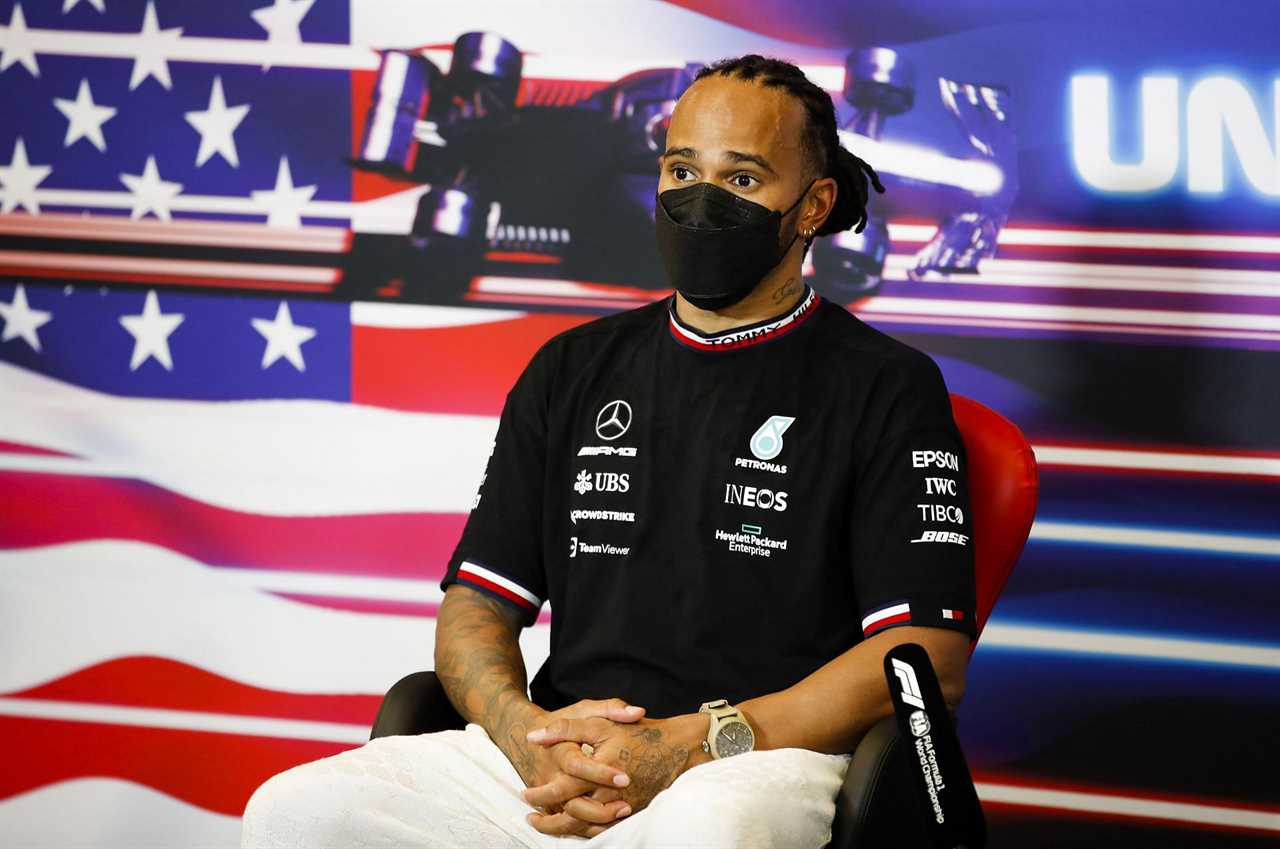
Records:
x=598, y=761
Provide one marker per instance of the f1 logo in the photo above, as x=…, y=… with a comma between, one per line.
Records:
x=910, y=686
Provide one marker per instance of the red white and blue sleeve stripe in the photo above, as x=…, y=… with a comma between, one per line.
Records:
x=479, y=577
x=914, y=613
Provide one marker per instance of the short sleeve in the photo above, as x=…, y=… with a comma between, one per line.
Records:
x=912, y=538
x=500, y=550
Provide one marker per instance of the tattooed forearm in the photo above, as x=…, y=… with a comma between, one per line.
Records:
x=478, y=662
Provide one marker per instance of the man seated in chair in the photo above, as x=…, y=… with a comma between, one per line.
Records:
x=735, y=499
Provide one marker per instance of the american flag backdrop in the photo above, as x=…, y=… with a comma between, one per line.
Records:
x=224, y=515
x=227, y=492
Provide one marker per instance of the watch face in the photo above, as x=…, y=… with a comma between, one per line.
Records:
x=734, y=738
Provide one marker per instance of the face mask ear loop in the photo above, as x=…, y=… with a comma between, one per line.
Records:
x=795, y=235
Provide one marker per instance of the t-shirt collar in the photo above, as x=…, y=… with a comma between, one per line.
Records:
x=746, y=335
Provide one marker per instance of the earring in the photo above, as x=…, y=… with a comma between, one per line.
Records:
x=808, y=232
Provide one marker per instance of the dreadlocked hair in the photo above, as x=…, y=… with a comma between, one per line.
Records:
x=827, y=157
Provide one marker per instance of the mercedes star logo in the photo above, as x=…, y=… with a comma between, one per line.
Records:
x=613, y=420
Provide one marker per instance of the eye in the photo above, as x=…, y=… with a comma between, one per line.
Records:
x=676, y=171
x=743, y=176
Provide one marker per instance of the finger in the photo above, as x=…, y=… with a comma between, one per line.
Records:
x=619, y=710
x=573, y=762
x=556, y=792
x=564, y=824
x=592, y=730
x=605, y=794
x=561, y=728
x=562, y=788
x=589, y=810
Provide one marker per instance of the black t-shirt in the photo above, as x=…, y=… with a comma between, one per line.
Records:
x=718, y=515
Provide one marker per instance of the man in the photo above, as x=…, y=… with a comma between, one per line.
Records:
x=724, y=495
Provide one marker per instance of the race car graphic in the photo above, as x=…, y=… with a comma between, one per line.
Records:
x=564, y=182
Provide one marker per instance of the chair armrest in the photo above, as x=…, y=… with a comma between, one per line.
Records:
x=877, y=806
x=416, y=704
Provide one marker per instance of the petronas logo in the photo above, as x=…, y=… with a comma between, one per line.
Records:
x=766, y=443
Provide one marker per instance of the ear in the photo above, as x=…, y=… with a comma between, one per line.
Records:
x=817, y=207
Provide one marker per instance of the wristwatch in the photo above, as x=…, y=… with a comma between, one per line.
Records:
x=729, y=733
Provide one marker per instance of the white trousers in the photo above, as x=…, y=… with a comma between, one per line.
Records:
x=457, y=789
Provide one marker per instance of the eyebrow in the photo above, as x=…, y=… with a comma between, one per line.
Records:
x=731, y=155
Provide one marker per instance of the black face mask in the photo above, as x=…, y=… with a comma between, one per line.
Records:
x=716, y=245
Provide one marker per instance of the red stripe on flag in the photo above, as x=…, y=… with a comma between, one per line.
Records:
x=157, y=682
x=473, y=366
x=390, y=607
x=21, y=448
x=216, y=771
x=45, y=509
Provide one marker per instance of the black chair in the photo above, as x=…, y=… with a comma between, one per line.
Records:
x=875, y=809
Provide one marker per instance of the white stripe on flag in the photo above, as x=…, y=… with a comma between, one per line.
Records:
x=956, y=308
x=1127, y=806
x=187, y=720
x=1117, y=644
x=111, y=812
x=1164, y=538
x=395, y=67
x=257, y=456
x=130, y=598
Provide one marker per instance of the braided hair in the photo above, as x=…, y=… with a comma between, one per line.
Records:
x=827, y=157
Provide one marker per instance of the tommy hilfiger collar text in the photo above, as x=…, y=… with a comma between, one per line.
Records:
x=741, y=337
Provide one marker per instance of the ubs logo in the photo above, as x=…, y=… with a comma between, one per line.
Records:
x=613, y=420
x=602, y=482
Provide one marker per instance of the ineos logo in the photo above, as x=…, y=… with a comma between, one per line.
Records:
x=613, y=420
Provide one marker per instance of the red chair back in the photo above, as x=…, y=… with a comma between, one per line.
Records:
x=1003, y=489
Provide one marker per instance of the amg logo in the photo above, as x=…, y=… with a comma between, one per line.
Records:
x=606, y=451
x=942, y=536
x=751, y=496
